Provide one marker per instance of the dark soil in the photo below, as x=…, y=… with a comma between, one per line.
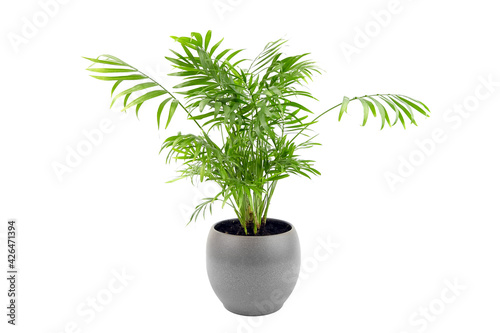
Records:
x=272, y=227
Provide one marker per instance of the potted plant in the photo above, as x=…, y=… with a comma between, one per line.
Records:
x=252, y=124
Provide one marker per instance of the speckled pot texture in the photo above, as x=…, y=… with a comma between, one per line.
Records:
x=253, y=275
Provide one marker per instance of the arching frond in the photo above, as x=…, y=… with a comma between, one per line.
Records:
x=112, y=69
x=402, y=106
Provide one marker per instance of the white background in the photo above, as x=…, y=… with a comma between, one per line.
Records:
x=113, y=211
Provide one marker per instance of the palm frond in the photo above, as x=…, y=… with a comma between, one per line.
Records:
x=149, y=89
x=401, y=105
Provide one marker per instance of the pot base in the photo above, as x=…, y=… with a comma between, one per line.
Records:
x=245, y=312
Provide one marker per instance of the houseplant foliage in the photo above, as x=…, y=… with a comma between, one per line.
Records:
x=250, y=115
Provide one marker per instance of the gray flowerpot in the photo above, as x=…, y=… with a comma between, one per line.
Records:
x=253, y=275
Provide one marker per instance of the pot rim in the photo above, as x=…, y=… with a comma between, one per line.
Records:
x=257, y=236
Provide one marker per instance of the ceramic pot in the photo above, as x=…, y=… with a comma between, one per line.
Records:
x=253, y=275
